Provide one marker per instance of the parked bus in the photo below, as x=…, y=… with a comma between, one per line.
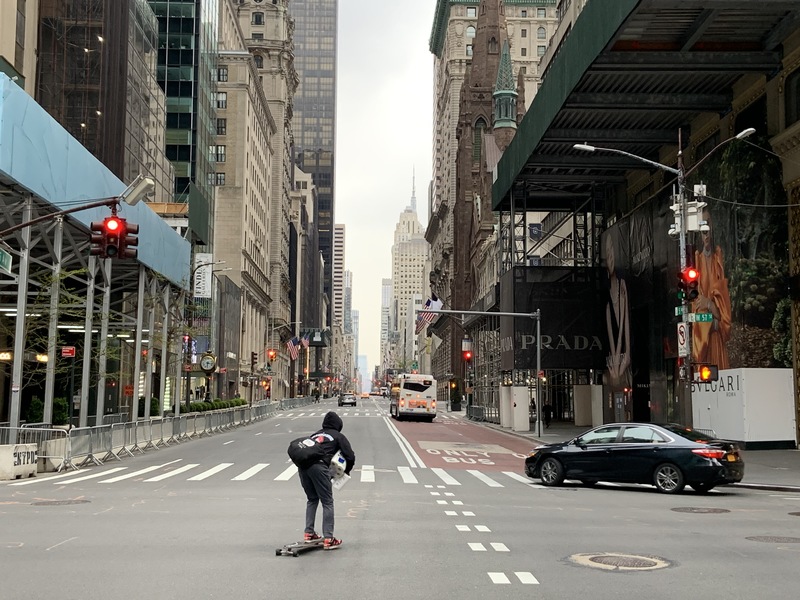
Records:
x=413, y=395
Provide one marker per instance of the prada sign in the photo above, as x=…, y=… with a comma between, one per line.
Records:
x=571, y=304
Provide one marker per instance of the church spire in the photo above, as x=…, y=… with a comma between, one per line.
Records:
x=505, y=96
x=414, y=189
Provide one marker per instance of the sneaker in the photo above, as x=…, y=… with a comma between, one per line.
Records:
x=331, y=543
x=311, y=537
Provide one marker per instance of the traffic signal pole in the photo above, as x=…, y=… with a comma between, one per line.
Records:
x=685, y=370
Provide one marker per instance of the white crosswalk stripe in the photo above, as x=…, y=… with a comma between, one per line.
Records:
x=441, y=480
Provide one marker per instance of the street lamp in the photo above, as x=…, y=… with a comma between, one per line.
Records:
x=679, y=227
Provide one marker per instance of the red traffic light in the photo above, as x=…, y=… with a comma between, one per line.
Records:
x=467, y=355
x=688, y=278
x=271, y=354
x=690, y=274
x=112, y=224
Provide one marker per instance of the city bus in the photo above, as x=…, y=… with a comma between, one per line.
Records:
x=413, y=395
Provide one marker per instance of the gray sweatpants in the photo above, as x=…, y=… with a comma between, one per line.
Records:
x=316, y=482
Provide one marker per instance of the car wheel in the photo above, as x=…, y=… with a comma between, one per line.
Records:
x=551, y=472
x=702, y=488
x=668, y=479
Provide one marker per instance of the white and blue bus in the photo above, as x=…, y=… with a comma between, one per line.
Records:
x=413, y=395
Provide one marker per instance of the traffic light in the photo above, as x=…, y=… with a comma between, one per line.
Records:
x=688, y=278
x=106, y=237
x=453, y=384
x=253, y=360
x=704, y=373
x=272, y=354
x=128, y=237
x=466, y=355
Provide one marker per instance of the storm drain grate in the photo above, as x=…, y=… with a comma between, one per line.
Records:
x=59, y=502
x=618, y=561
x=700, y=510
x=774, y=539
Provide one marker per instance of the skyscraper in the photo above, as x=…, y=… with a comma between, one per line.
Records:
x=314, y=119
x=338, y=276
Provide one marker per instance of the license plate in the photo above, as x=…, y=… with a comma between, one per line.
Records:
x=731, y=458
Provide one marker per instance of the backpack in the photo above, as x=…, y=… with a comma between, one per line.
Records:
x=305, y=451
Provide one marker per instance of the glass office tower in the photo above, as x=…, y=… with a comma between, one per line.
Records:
x=314, y=120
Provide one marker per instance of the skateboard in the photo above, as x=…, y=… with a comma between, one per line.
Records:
x=297, y=548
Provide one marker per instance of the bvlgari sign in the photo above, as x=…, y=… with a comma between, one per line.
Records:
x=571, y=304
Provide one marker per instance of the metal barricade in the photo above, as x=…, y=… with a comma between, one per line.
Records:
x=53, y=444
x=81, y=445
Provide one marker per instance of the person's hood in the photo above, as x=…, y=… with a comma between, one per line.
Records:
x=332, y=421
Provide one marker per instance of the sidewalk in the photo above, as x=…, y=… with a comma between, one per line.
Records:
x=775, y=470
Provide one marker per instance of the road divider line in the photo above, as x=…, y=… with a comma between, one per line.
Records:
x=405, y=445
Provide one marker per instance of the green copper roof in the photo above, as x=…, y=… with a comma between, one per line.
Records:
x=441, y=15
x=505, y=72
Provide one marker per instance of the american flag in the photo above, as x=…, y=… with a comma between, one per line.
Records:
x=293, y=346
x=423, y=318
x=305, y=340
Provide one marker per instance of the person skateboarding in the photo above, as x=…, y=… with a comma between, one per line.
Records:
x=316, y=479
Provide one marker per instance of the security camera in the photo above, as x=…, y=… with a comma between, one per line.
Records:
x=673, y=231
x=704, y=227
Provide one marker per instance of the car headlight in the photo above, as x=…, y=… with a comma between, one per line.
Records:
x=533, y=452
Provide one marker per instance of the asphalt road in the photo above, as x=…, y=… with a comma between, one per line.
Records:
x=435, y=510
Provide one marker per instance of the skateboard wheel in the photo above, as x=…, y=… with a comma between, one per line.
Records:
x=295, y=553
x=277, y=551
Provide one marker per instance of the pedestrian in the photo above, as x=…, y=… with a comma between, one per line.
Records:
x=547, y=413
x=316, y=479
x=316, y=395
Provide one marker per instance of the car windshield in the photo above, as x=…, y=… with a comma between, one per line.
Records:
x=687, y=433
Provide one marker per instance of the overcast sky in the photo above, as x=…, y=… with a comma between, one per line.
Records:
x=383, y=132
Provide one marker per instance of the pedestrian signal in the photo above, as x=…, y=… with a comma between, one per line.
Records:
x=705, y=373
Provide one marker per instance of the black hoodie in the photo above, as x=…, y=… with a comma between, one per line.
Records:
x=332, y=439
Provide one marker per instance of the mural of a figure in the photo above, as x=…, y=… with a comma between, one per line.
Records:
x=709, y=339
x=618, y=325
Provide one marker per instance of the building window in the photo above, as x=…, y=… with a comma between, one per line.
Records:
x=523, y=52
x=541, y=13
x=216, y=179
x=477, y=139
x=219, y=153
x=540, y=50
x=222, y=126
x=541, y=34
x=494, y=47
x=523, y=33
x=792, y=98
x=469, y=49
x=523, y=13
x=258, y=36
x=222, y=99
x=259, y=61
x=258, y=18
x=472, y=11
x=470, y=32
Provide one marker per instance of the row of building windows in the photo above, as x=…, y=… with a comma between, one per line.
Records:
x=540, y=50
x=541, y=13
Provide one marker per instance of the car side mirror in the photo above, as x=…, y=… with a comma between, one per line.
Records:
x=579, y=442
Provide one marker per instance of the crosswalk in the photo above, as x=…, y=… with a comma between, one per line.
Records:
x=363, y=412
x=278, y=472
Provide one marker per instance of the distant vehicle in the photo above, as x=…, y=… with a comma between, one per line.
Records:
x=413, y=395
x=364, y=395
x=667, y=456
x=347, y=399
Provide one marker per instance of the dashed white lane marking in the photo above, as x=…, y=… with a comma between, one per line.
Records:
x=458, y=503
x=435, y=494
x=468, y=513
x=178, y=471
x=368, y=474
x=499, y=547
x=441, y=502
x=210, y=472
x=259, y=433
x=482, y=529
x=407, y=475
x=228, y=442
x=451, y=513
x=444, y=476
x=462, y=527
x=287, y=474
x=139, y=472
x=526, y=577
x=484, y=478
x=449, y=494
x=85, y=477
x=476, y=547
x=250, y=472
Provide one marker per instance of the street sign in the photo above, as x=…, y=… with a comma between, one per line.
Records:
x=678, y=311
x=128, y=390
x=68, y=352
x=703, y=317
x=5, y=261
x=683, y=339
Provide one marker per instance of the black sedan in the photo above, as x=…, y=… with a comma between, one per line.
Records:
x=666, y=456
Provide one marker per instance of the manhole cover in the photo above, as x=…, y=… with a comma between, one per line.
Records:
x=774, y=539
x=700, y=510
x=58, y=502
x=618, y=561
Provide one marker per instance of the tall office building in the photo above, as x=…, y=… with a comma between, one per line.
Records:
x=97, y=77
x=18, y=28
x=386, y=302
x=338, y=275
x=187, y=69
x=314, y=120
x=348, y=301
